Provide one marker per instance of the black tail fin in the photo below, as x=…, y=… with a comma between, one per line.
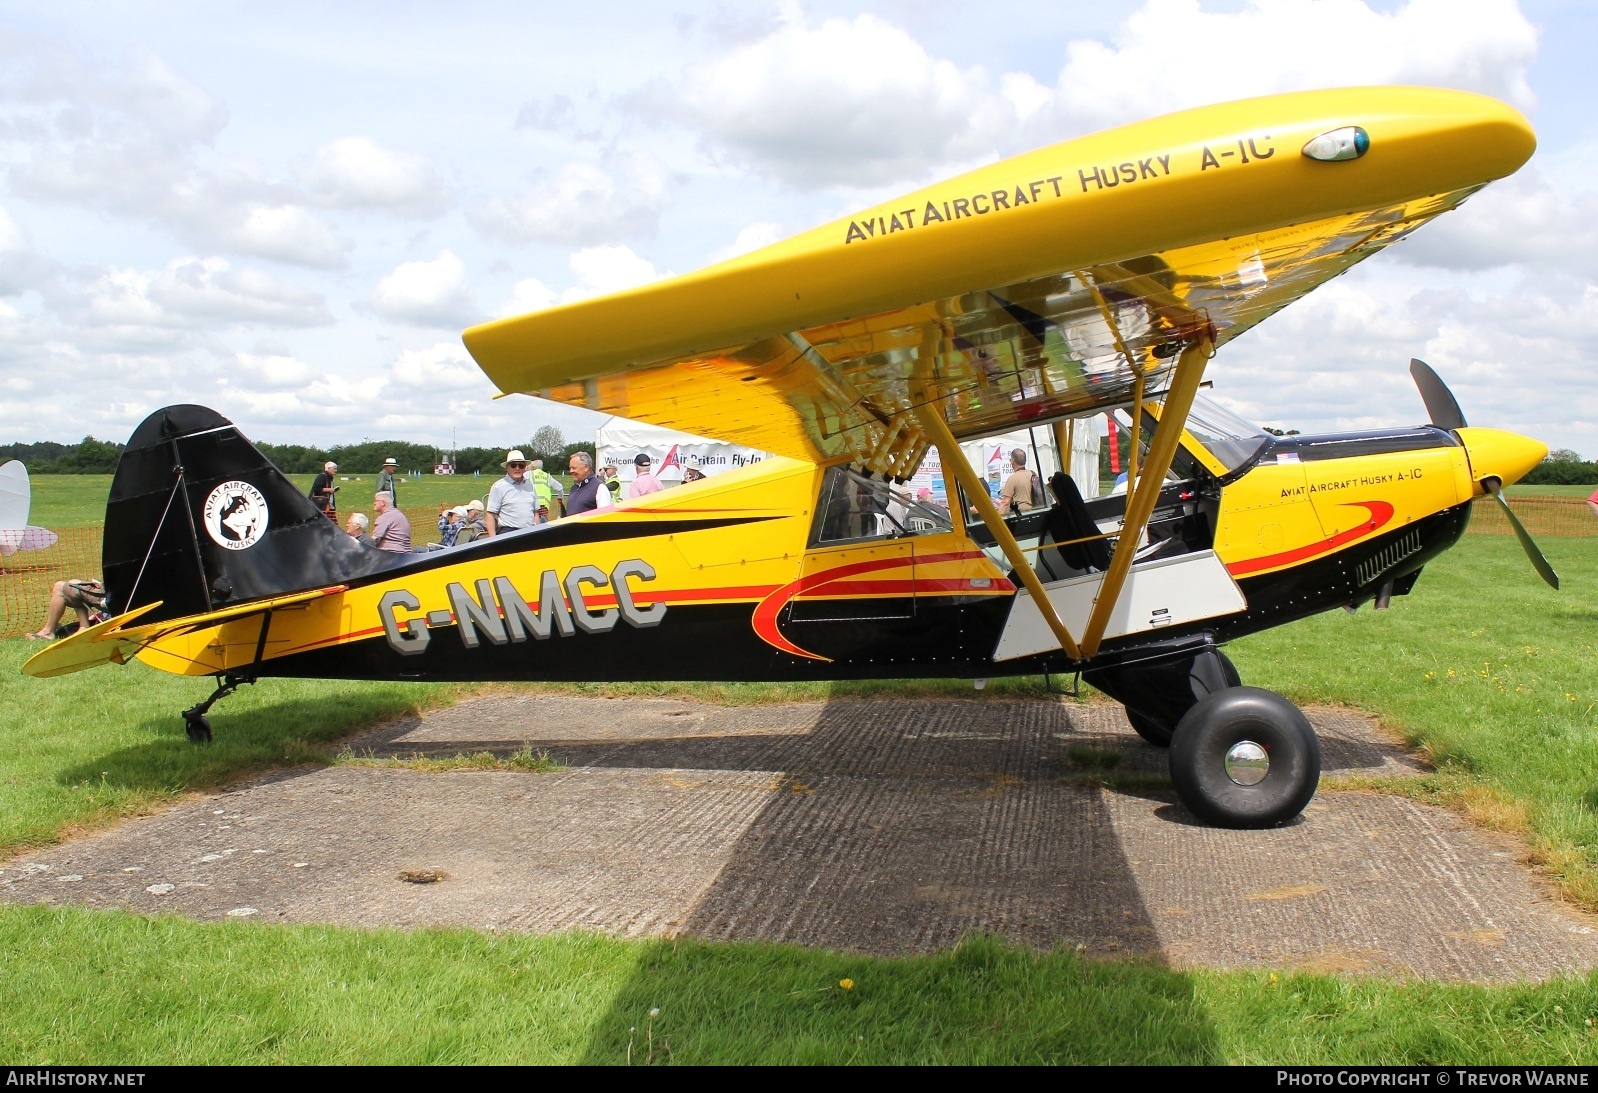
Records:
x=199, y=519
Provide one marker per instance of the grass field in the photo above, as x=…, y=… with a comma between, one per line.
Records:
x=120, y=989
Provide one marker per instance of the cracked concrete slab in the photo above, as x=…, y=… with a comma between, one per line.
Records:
x=880, y=825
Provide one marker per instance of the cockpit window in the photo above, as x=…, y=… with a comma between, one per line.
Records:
x=853, y=507
x=1229, y=438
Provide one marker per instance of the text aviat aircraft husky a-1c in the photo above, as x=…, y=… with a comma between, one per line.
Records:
x=1097, y=274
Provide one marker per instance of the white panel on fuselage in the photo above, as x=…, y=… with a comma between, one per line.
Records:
x=1157, y=594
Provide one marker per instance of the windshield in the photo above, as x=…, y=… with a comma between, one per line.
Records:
x=1229, y=438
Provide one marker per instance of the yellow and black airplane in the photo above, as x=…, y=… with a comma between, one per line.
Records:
x=1098, y=274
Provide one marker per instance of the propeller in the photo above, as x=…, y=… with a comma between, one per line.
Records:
x=1443, y=409
x=1441, y=405
x=1538, y=562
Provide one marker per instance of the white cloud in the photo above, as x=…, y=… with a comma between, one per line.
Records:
x=855, y=101
x=21, y=267
x=427, y=293
x=582, y=204
x=527, y=295
x=288, y=233
x=273, y=372
x=358, y=173
x=596, y=271
x=602, y=270
x=331, y=401
x=436, y=370
x=751, y=238
x=1532, y=218
x=196, y=293
x=128, y=140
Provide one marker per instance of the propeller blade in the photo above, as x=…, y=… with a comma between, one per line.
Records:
x=1538, y=562
x=1440, y=404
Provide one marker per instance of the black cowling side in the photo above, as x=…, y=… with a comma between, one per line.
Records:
x=156, y=548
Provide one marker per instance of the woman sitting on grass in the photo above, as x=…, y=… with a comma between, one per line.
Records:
x=87, y=598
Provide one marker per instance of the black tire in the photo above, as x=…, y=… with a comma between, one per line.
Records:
x=198, y=726
x=1153, y=729
x=1220, y=721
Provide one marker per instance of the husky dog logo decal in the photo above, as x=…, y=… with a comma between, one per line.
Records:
x=235, y=515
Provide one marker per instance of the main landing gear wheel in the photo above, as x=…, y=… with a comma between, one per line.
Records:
x=1244, y=757
x=1151, y=728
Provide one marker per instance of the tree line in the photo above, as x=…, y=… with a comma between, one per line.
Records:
x=91, y=456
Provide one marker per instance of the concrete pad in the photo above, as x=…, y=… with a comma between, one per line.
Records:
x=882, y=825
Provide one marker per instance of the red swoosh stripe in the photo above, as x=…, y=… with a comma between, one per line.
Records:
x=766, y=612
x=1380, y=513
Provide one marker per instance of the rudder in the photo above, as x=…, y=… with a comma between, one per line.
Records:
x=198, y=518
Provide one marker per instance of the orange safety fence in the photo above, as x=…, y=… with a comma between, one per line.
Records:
x=27, y=577
x=1544, y=517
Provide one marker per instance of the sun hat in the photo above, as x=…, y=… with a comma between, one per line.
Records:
x=390, y=462
x=459, y=510
x=514, y=456
x=470, y=505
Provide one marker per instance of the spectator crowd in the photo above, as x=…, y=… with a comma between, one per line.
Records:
x=525, y=497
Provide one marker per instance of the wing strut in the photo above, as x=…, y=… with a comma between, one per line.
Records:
x=1140, y=503
x=936, y=429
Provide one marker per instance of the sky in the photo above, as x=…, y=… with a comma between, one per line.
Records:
x=289, y=212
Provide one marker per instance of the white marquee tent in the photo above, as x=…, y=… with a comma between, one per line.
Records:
x=618, y=441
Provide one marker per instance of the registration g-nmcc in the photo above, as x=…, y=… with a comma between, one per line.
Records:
x=499, y=612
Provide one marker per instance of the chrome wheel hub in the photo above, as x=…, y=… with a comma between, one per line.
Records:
x=1247, y=763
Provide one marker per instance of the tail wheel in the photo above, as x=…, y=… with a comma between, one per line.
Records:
x=198, y=727
x=1245, y=757
x=1155, y=730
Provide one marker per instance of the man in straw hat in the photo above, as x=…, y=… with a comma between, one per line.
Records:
x=385, y=480
x=513, y=500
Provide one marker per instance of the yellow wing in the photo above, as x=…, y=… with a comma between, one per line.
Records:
x=1037, y=285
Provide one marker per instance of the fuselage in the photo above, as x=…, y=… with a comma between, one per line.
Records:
x=758, y=574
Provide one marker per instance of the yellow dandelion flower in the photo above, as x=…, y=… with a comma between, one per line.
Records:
x=846, y=984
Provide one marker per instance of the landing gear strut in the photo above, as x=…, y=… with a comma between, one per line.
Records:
x=1158, y=691
x=195, y=723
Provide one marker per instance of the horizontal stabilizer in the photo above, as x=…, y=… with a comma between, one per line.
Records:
x=114, y=642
